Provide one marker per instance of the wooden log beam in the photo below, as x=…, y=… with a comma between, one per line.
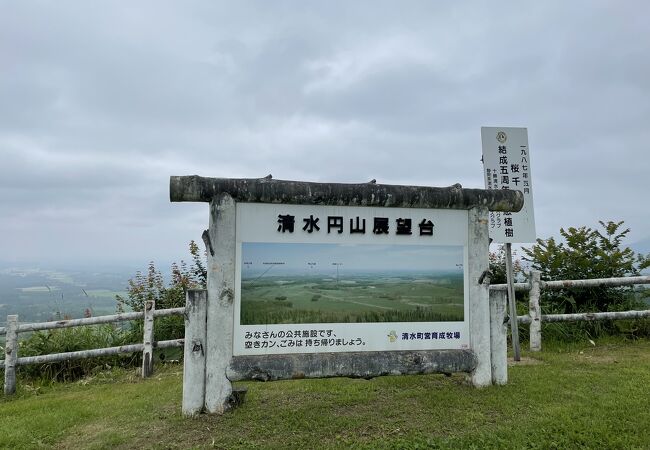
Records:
x=596, y=282
x=96, y=320
x=82, y=354
x=563, y=284
x=350, y=364
x=265, y=190
x=504, y=287
x=578, y=317
x=617, y=315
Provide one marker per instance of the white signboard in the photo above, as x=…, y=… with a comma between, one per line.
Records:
x=506, y=165
x=316, y=279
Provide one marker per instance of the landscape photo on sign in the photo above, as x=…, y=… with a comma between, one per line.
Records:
x=295, y=283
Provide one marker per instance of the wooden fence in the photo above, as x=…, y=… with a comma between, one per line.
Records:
x=535, y=317
x=13, y=328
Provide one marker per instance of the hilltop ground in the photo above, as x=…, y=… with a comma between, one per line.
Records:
x=575, y=396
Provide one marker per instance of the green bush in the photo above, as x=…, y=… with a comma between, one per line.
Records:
x=71, y=340
x=585, y=254
x=152, y=286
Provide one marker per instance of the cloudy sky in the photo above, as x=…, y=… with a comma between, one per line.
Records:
x=100, y=102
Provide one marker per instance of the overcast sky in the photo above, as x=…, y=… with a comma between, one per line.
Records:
x=100, y=102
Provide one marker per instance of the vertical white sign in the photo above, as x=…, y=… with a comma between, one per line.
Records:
x=506, y=165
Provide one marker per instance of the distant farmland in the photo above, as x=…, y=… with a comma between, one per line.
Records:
x=371, y=297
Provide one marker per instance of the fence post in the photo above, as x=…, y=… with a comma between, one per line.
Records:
x=479, y=295
x=512, y=305
x=221, y=300
x=11, y=355
x=196, y=308
x=147, y=351
x=498, y=337
x=535, y=312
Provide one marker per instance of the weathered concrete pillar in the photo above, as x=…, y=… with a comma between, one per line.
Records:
x=479, y=306
x=11, y=355
x=147, y=350
x=535, y=312
x=221, y=299
x=498, y=337
x=512, y=304
x=196, y=303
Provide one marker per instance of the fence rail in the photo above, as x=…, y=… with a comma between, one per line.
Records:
x=98, y=320
x=579, y=317
x=535, y=318
x=13, y=328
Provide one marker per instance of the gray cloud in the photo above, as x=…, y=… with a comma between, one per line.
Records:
x=102, y=101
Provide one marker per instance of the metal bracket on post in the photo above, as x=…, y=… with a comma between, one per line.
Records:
x=147, y=351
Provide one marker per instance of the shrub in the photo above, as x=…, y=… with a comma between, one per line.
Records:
x=585, y=254
x=151, y=286
x=71, y=340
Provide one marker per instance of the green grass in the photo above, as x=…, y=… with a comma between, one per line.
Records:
x=571, y=396
x=356, y=299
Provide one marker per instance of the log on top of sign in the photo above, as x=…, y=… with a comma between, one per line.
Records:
x=266, y=190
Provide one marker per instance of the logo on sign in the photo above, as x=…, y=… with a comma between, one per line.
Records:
x=502, y=137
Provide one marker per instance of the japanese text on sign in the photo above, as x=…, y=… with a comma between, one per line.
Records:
x=506, y=160
x=336, y=224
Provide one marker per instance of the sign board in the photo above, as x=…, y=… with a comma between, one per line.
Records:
x=318, y=279
x=313, y=280
x=506, y=165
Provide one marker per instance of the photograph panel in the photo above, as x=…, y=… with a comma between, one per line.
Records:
x=297, y=283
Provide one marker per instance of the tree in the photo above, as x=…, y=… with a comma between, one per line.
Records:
x=151, y=286
x=587, y=253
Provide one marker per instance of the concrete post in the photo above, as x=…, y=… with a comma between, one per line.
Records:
x=196, y=302
x=221, y=299
x=498, y=337
x=535, y=312
x=512, y=304
x=11, y=355
x=479, y=303
x=147, y=351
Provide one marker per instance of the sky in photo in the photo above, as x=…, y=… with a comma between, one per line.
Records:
x=303, y=259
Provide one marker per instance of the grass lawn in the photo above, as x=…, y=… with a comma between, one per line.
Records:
x=362, y=298
x=569, y=396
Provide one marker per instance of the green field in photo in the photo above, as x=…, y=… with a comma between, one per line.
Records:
x=356, y=299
